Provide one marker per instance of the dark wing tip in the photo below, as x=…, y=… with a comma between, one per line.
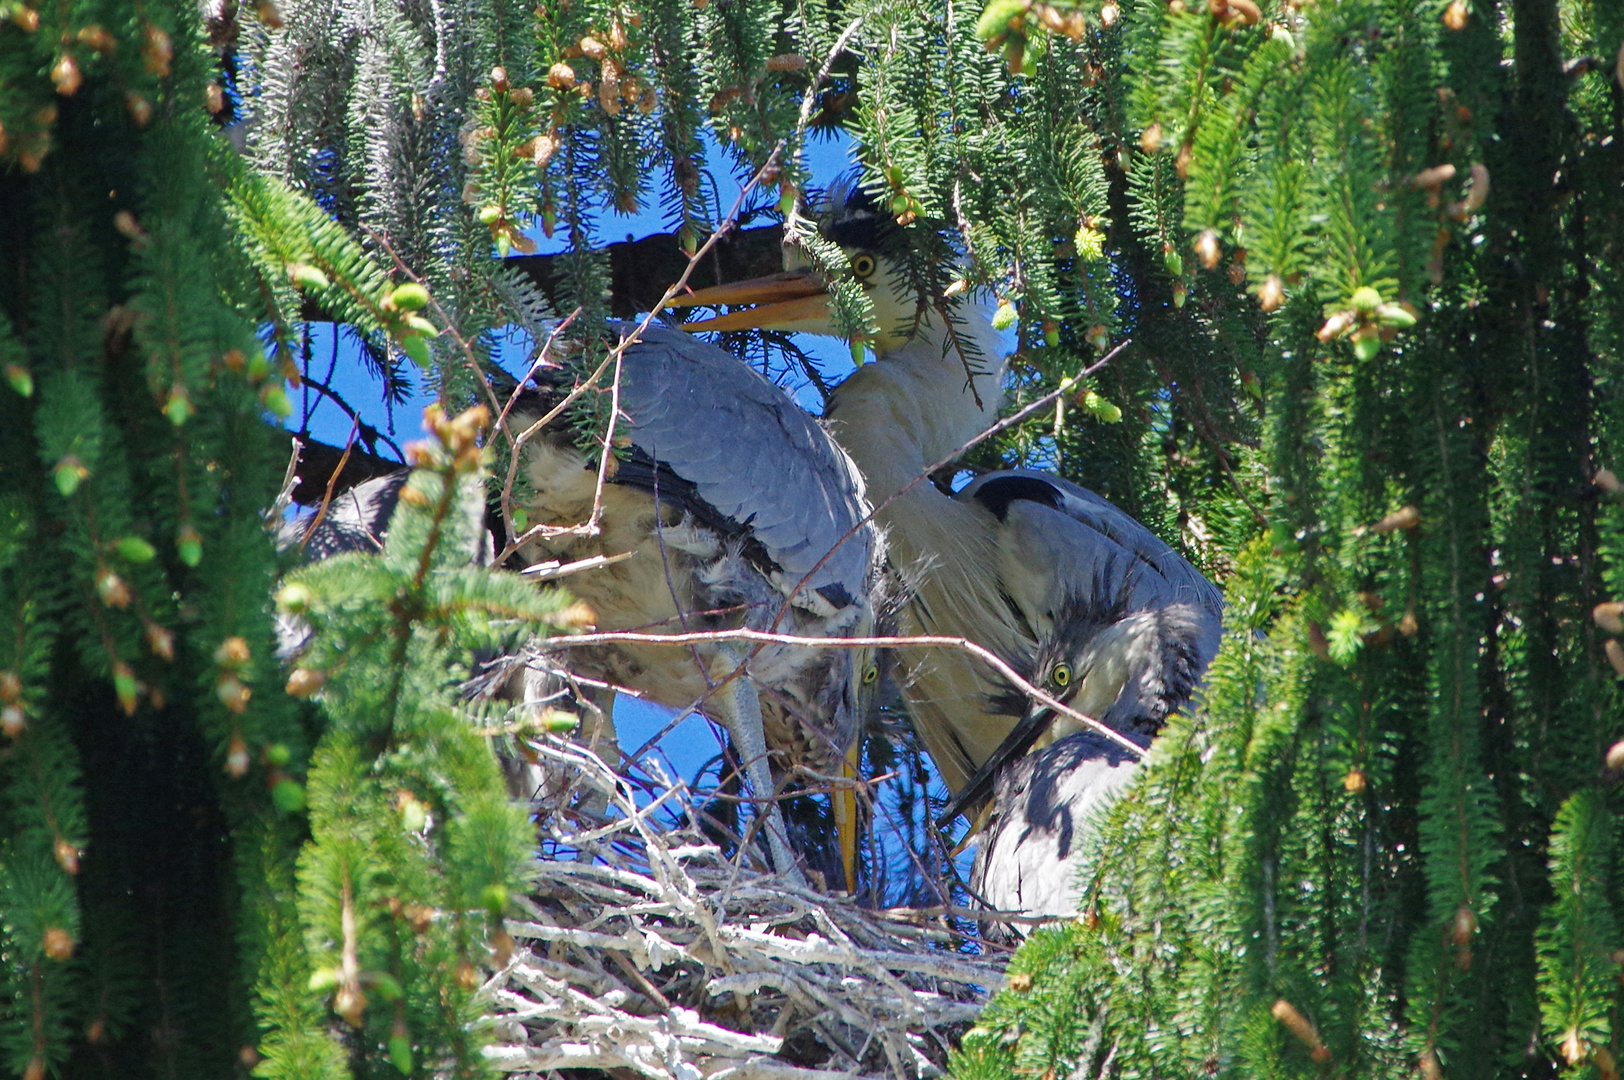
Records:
x=996, y=494
x=836, y=593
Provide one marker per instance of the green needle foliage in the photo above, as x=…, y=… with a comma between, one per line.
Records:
x=1370, y=256
x=199, y=874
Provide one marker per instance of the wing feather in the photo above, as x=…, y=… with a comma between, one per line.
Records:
x=750, y=452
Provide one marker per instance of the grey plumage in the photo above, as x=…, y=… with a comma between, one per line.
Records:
x=1046, y=807
x=731, y=497
x=1062, y=546
x=754, y=456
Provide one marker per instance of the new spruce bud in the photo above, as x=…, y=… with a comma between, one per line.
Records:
x=189, y=545
x=20, y=379
x=288, y=795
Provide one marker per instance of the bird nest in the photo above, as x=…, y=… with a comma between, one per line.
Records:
x=647, y=950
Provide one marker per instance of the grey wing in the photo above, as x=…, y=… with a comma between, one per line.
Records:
x=356, y=520
x=1058, y=540
x=1046, y=810
x=753, y=454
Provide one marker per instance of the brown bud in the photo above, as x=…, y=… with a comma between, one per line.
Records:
x=160, y=640
x=35, y=1069
x=1477, y=192
x=1020, y=983
x=97, y=39
x=1573, y=1047
x=1609, y=616
x=1207, y=248
x=1250, y=14
x=156, y=50
x=268, y=14
x=233, y=694
x=560, y=76
x=25, y=18
x=11, y=688
x=1181, y=164
x=237, y=760
x=1354, y=782
x=1434, y=177
x=1109, y=14
x=609, y=91
x=66, y=854
x=65, y=74
x=592, y=48
x=1151, y=140
x=1271, y=295
x=1337, y=325
x=1465, y=925
x=304, y=682
x=58, y=943
x=1615, y=755
x=499, y=80
x=112, y=589
x=350, y=1003
x=1296, y=1023
x=1615, y=656
x=13, y=721
x=233, y=652
x=1406, y=517
x=617, y=37
x=467, y=975
x=1455, y=15
x=127, y=226
x=577, y=615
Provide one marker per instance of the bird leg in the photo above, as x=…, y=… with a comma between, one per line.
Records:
x=739, y=709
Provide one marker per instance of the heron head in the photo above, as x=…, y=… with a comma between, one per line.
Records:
x=876, y=259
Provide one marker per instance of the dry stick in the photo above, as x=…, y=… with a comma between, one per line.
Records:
x=924, y=640
x=332, y=482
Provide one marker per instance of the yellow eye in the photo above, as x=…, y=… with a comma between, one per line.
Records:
x=871, y=675
x=862, y=265
x=1061, y=675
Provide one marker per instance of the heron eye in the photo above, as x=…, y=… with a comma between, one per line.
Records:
x=871, y=675
x=862, y=265
x=1061, y=675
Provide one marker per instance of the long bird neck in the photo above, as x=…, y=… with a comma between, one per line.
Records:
x=916, y=404
x=898, y=416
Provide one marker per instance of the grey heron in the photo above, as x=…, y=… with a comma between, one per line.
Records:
x=1019, y=557
x=736, y=509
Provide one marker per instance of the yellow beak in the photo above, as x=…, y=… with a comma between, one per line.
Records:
x=845, y=810
x=790, y=301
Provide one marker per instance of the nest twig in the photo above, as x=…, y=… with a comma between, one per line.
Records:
x=648, y=951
